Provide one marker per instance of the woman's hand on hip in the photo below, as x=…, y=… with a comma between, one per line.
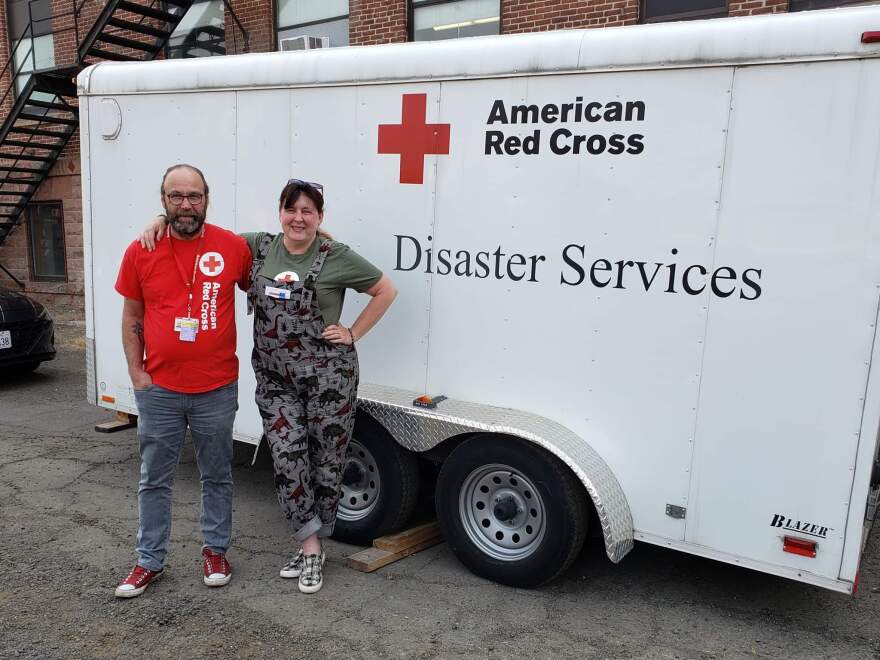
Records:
x=338, y=334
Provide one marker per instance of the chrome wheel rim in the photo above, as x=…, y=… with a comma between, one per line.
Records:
x=360, y=484
x=502, y=512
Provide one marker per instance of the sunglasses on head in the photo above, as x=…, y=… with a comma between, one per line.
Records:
x=311, y=184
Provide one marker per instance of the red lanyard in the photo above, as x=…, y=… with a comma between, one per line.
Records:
x=188, y=284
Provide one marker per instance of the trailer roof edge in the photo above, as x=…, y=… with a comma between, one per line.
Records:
x=801, y=36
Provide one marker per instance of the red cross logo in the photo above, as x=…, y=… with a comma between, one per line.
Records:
x=413, y=139
x=211, y=264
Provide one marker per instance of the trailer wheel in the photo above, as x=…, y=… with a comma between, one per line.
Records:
x=380, y=485
x=510, y=511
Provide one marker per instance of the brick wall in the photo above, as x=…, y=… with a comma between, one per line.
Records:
x=6, y=79
x=756, y=7
x=64, y=299
x=258, y=18
x=64, y=38
x=377, y=22
x=542, y=15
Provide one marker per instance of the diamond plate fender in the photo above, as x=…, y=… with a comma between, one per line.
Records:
x=420, y=429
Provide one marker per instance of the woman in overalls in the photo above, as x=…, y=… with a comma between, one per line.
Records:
x=306, y=364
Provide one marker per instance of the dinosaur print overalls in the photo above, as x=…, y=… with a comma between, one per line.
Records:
x=306, y=393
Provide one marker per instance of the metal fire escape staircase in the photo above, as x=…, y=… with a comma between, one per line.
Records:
x=43, y=105
x=200, y=42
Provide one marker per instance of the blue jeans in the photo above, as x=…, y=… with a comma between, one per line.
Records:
x=163, y=417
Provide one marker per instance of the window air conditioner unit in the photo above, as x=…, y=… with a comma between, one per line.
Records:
x=305, y=42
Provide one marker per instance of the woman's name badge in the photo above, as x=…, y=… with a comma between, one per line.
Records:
x=277, y=294
x=186, y=327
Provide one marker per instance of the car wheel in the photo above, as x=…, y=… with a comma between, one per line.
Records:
x=380, y=485
x=510, y=511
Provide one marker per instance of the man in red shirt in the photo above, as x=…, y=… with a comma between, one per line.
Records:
x=178, y=332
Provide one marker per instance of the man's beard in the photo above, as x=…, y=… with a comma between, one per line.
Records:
x=186, y=223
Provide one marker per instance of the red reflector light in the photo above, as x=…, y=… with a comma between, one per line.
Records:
x=870, y=37
x=106, y=398
x=426, y=401
x=798, y=546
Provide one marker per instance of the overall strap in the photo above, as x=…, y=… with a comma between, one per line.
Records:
x=263, y=247
x=311, y=277
x=262, y=250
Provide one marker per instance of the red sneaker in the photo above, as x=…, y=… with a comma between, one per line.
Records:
x=216, y=569
x=137, y=582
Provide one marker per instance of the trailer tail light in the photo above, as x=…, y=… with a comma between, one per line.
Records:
x=106, y=398
x=871, y=37
x=427, y=401
x=798, y=546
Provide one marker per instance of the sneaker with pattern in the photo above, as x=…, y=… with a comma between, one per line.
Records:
x=311, y=579
x=294, y=566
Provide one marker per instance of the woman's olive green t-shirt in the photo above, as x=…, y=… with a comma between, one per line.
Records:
x=343, y=269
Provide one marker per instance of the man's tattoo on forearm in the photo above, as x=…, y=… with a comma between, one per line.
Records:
x=138, y=329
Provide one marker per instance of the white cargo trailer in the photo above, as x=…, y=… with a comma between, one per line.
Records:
x=641, y=264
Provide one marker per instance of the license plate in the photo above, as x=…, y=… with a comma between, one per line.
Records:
x=5, y=339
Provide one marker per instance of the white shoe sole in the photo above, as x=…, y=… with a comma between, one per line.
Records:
x=131, y=593
x=311, y=590
x=218, y=582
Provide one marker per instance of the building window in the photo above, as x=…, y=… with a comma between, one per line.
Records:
x=449, y=19
x=201, y=32
x=46, y=234
x=36, y=49
x=803, y=5
x=654, y=11
x=325, y=20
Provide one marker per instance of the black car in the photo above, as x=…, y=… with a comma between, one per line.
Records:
x=27, y=334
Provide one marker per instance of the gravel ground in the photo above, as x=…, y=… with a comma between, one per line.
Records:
x=67, y=521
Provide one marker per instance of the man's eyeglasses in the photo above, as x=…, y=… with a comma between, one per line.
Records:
x=312, y=184
x=192, y=198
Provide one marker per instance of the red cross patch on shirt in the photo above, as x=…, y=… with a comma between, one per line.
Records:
x=211, y=264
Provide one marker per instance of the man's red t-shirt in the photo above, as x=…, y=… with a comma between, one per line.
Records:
x=159, y=279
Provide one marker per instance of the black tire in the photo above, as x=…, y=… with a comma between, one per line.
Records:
x=24, y=369
x=510, y=511
x=380, y=486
